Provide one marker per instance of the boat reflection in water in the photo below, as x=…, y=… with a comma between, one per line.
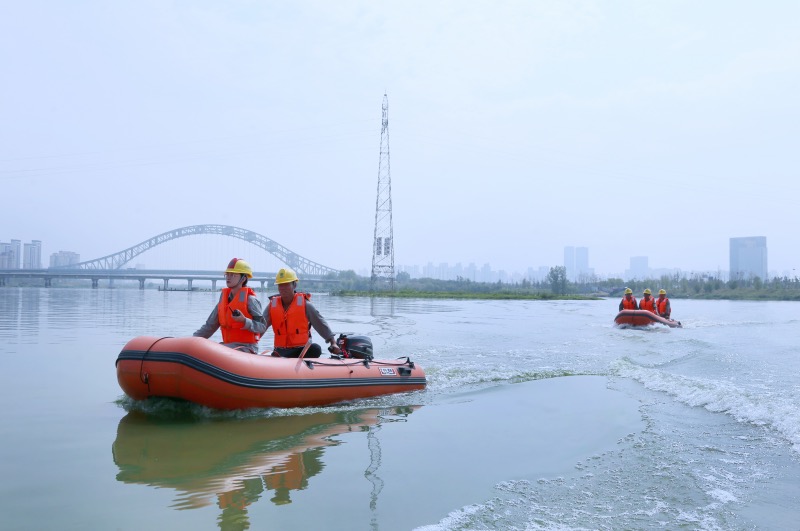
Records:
x=234, y=463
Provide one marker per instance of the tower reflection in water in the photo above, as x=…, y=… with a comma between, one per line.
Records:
x=234, y=463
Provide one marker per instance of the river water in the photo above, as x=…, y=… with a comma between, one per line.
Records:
x=537, y=415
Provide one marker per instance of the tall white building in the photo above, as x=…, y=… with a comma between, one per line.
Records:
x=10, y=254
x=32, y=255
x=748, y=258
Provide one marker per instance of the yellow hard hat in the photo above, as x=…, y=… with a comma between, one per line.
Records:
x=662, y=292
x=647, y=291
x=628, y=290
x=285, y=275
x=237, y=265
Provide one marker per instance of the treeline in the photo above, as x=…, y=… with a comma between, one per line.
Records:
x=556, y=285
x=712, y=287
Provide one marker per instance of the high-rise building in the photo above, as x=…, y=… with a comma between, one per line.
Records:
x=640, y=268
x=32, y=255
x=582, y=270
x=64, y=258
x=10, y=254
x=569, y=262
x=576, y=262
x=5, y=255
x=748, y=258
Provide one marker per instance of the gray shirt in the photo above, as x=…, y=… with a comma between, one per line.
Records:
x=255, y=324
x=312, y=314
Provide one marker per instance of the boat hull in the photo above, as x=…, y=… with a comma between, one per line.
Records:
x=207, y=373
x=629, y=318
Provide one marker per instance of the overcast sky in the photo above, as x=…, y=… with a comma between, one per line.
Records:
x=516, y=128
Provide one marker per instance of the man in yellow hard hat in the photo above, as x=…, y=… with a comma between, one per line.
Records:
x=238, y=312
x=647, y=302
x=628, y=301
x=291, y=315
x=662, y=304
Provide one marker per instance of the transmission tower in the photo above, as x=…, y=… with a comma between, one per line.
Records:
x=383, y=242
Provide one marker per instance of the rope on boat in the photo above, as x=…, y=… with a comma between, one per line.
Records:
x=364, y=362
x=143, y=376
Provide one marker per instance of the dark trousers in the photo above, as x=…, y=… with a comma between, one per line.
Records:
x=314, y=351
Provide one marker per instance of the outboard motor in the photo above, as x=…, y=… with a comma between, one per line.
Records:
x=359, y=347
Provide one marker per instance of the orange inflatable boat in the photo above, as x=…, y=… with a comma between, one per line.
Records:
x=204, y=372
x=628, y=318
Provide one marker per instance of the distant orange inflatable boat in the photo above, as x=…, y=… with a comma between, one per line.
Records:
x=204, y=372
x=627, y=318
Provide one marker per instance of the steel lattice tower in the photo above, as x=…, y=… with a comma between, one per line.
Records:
x=383, y=242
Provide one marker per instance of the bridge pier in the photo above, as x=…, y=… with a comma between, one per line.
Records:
x=48, y=282
x=213, y=285
x=190, y=284
x=141, y=283
x=264, y=285
x=166, y=284
x=94, y=283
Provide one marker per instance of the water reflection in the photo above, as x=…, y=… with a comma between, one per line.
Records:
x=20, y=313
x=9, y=309
x=381, y=306
x=235, y=463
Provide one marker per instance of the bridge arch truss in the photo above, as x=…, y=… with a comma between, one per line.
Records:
x=300, y=264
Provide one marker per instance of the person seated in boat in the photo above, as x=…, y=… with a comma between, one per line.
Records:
x=291, y=315
x=662, y=305
x=648, y=302
x=628, y=302
x=238, y=312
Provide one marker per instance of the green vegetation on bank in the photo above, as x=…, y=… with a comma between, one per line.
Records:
x=556, y=286
x=510, y=294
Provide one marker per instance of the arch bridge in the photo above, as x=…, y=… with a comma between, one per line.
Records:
x=301, y=265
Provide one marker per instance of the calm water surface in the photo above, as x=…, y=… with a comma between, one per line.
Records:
x=537, y=415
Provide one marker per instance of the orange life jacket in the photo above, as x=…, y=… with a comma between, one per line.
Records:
x=629, y=304
x=647, y=304
x=291, y=326
x=233, y=331
x=661, y=304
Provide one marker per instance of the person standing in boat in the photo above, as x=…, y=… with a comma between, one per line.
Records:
x=238, y=312
x=648, y=302
x=291, y=315
x=662, y=305
x=628, y=301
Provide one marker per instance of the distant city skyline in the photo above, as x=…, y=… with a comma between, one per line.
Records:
x=747, y=257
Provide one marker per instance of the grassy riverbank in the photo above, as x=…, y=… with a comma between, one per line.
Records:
x=501, y=295
x=557, y=287
x=741, y=295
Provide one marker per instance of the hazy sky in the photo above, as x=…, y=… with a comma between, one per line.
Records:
x=516, y=128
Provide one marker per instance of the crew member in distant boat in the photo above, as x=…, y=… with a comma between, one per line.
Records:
x=238, y=312
x=291, y=315
x=647, y=302
x=628, y=302
x=662, y=305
